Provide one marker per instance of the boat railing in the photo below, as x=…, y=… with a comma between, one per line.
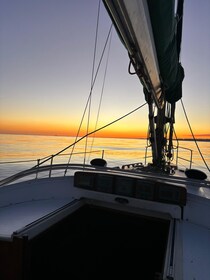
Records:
x=40, y=169
x=34, y=171
x=146, y=157
x=41, y=165
x=49, y=166
x=177, y=157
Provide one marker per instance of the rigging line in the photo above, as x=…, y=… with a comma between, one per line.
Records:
x=88, y=100
x=87, y=129
x=102, y=90
x=92, y=77
x=92, y=132
x=194, y=136
x=96, y=74
x=96, y=40
x=102, y=55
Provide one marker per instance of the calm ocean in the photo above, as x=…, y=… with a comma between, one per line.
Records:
x=26, y=149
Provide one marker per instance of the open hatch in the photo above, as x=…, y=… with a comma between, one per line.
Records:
x=103, y=243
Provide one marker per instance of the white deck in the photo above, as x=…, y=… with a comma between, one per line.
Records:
x=196, y=248
x=23, y=203
x=32, y=206
x=26, y=213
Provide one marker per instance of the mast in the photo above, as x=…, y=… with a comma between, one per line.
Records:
x=151, y=33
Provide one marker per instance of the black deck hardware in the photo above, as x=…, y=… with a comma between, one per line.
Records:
x=195, y=174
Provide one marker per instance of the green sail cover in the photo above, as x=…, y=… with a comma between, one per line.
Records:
x=167, y=37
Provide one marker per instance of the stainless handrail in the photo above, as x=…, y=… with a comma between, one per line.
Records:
x=177, y=148
x=188, y=160
x=40, y=168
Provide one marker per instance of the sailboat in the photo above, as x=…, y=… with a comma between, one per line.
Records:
x=137, y=221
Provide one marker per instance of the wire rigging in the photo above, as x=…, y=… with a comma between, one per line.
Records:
x=92, y=78
x=89, y=97
x=90, y=133
x=194, y=136
x=102, y=90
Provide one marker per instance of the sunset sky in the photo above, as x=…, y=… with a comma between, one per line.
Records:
x=46, y=57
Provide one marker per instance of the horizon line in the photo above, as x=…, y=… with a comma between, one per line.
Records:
x=65, y=135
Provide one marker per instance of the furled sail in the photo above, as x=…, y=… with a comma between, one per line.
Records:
x=166, y=31
x=150, y=32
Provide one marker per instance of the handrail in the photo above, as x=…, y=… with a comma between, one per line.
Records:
x=177, y=155
x=62, y=166
x=38, y=168
x=77, y=167
x=66, y=166
x=49, y=157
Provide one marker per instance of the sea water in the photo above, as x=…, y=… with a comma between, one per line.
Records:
x=20, y=152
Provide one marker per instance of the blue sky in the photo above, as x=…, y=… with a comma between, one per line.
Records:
x=46, y=56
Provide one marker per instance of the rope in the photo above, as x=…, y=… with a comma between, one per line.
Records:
x=92, y=132
x=95, y=47
x=89, y=97
x=194, y=136
x=92, y=79
x=102, y=90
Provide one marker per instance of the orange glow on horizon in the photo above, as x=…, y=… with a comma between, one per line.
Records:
x=63, y=131
x=117, y=131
